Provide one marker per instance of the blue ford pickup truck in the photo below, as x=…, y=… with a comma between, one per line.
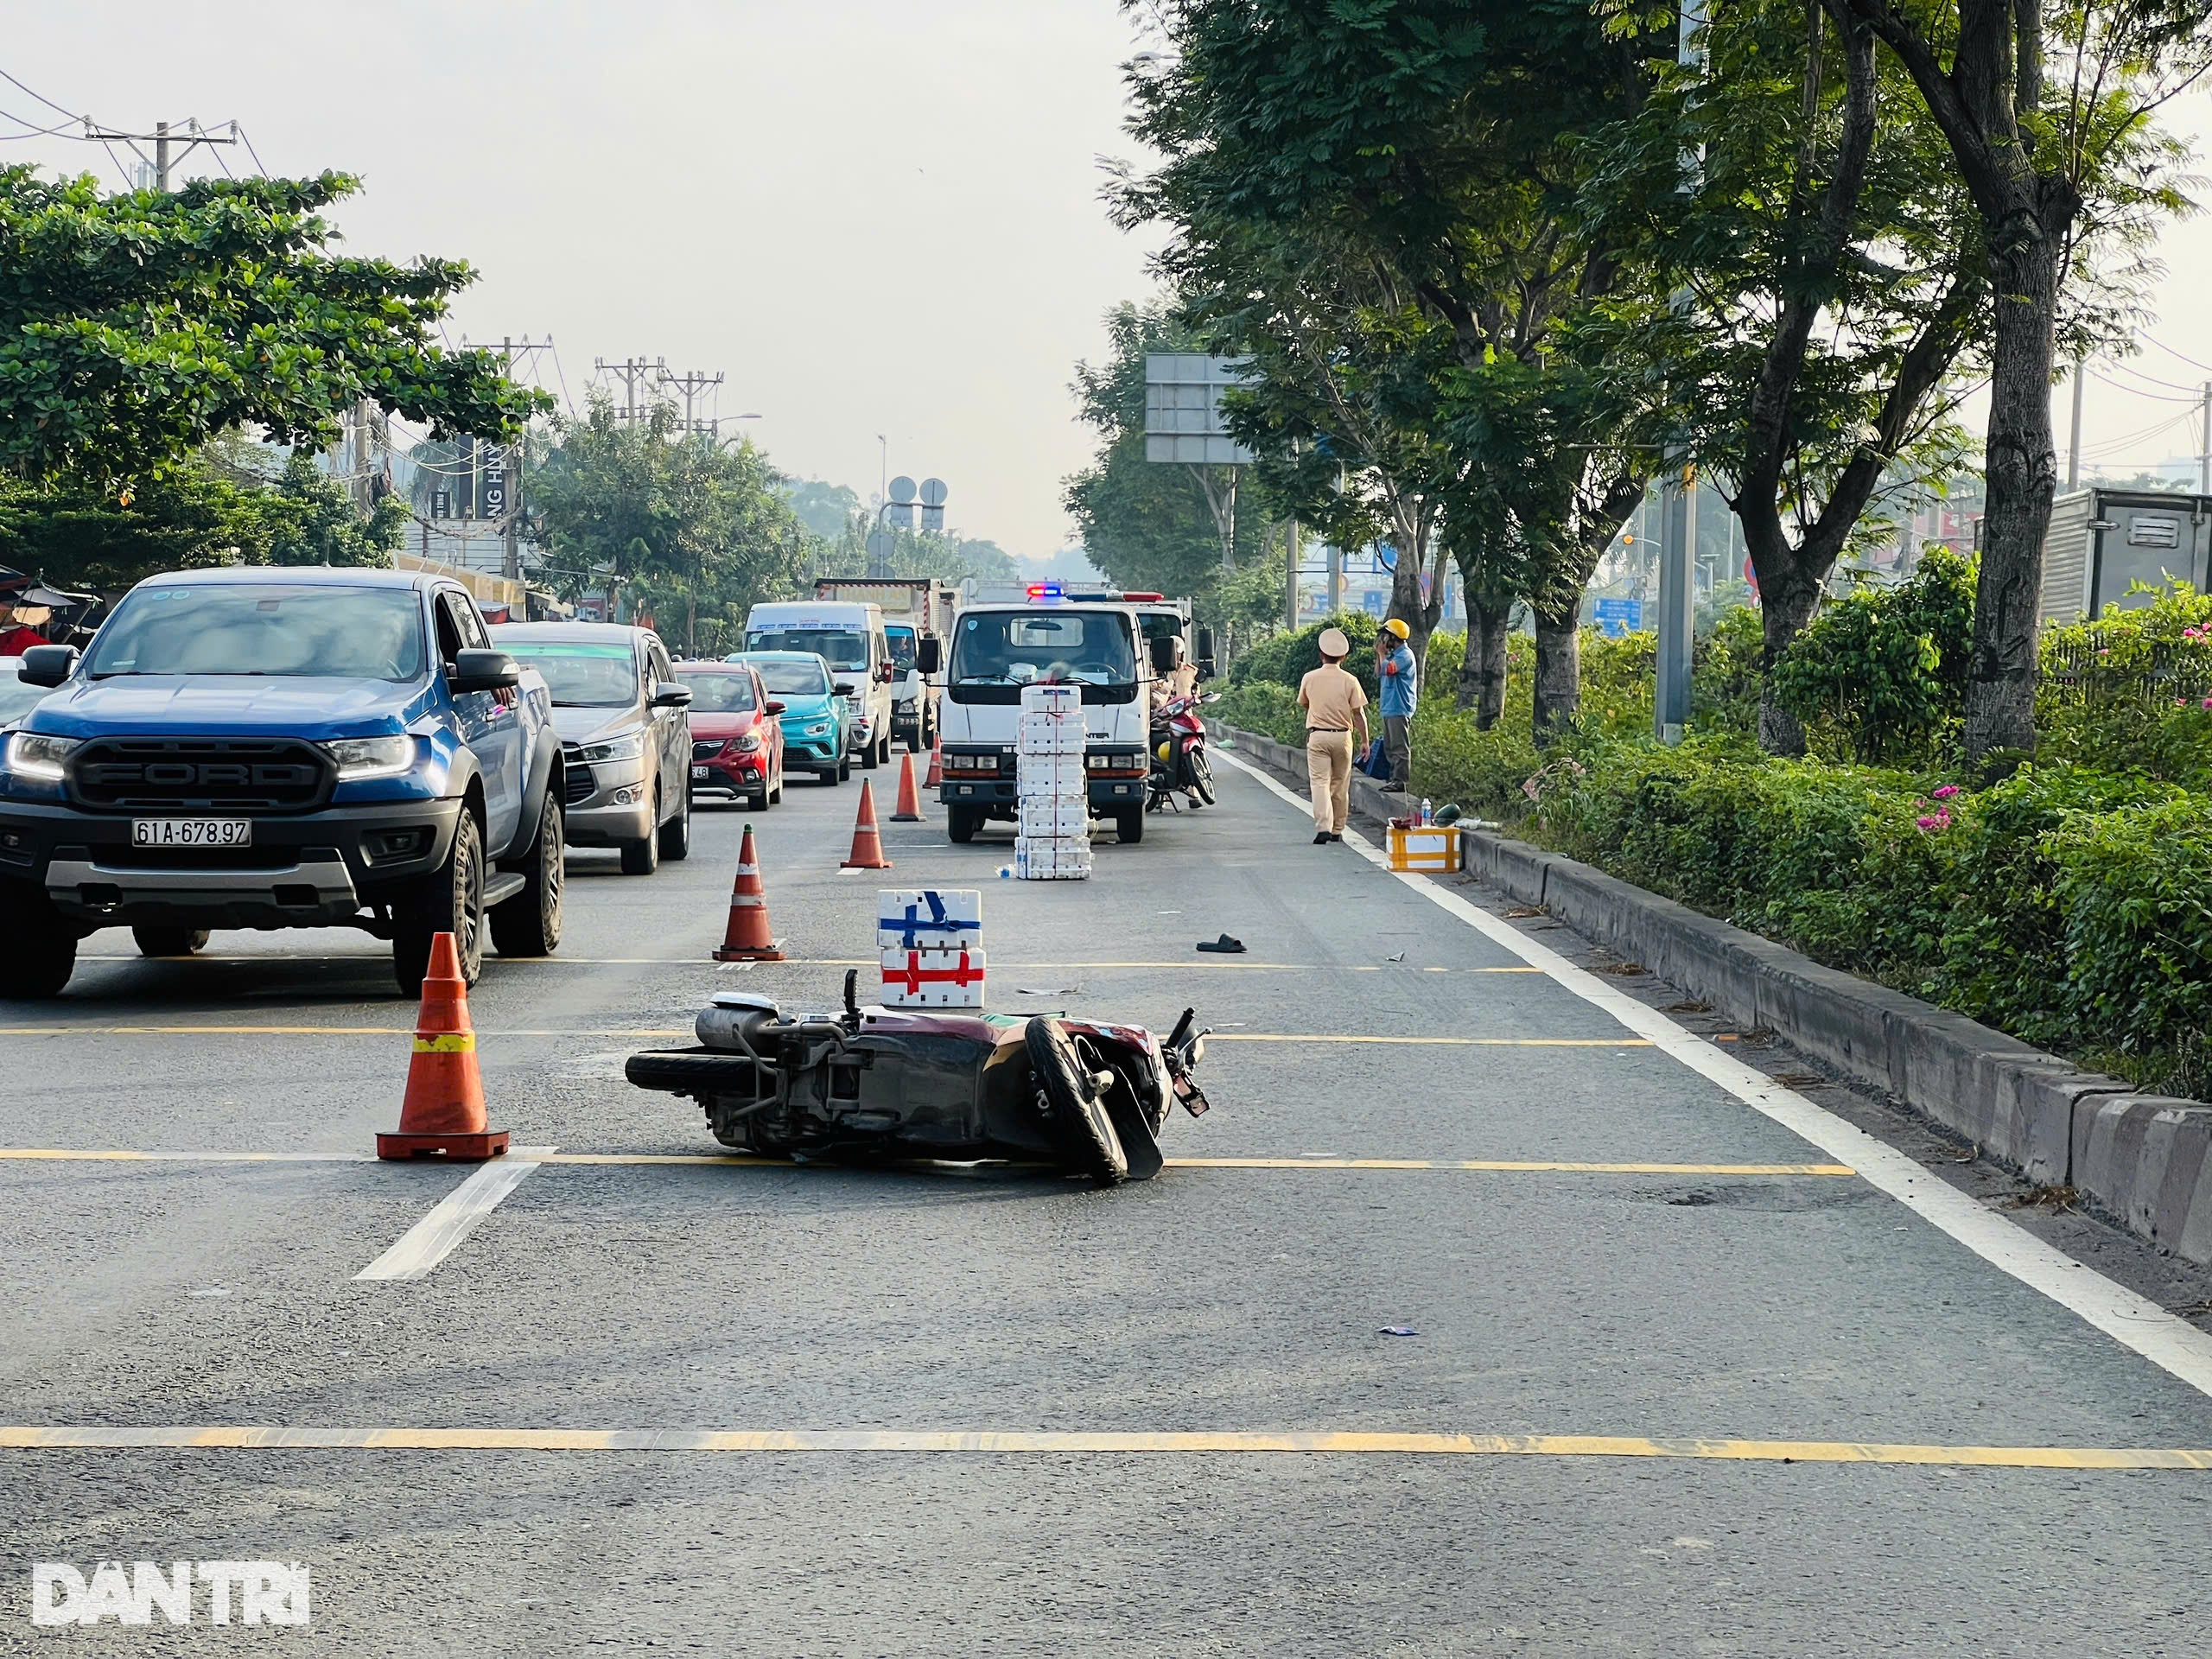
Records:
x=281, y=748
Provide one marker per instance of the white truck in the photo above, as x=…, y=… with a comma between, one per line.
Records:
x=914, y=608
x=998, y=648
x=848, y=637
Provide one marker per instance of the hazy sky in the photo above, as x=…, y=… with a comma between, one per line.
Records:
x=874, y=216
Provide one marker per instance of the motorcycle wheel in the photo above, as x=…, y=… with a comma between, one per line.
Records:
x=1202, y=776
x=1074, y=1113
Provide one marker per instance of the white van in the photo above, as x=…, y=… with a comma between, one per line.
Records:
x=849, y=638
x=997, y=650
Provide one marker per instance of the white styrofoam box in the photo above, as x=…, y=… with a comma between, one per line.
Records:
x=1049, y=737
x=1051, y=776
x=928, y=919
x=1047, y=862
x=1054, y=819
x=1052, y=699
x=933, y=979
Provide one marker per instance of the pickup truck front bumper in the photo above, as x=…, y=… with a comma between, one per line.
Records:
x=303, y=870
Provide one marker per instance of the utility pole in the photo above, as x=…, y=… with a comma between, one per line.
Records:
x=2074, y=446
x=1336, y=578
x=630, y=368
x=171, y=144
x=1290, y=573
x=1670, y=711
x=691, y=385
x=2204, y=458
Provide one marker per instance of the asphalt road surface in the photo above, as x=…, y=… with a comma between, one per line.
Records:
x=1700, y=1367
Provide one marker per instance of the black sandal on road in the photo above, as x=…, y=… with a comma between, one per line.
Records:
x=1224, y=946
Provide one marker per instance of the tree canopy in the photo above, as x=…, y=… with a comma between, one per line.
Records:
x=134, y=328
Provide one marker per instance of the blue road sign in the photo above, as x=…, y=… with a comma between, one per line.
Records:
x=1616, y=617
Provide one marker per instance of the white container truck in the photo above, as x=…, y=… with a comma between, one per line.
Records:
x=914, y=608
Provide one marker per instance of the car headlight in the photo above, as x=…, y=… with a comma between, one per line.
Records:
x=628, y=747
x=371, y=757
x=33, y=755
x=749, y=744
x=818, y=729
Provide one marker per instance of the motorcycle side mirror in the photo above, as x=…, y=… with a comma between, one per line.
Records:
x=928, y=656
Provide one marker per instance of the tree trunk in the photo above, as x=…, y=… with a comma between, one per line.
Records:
x=1482, y=670
x=2021, y=470
x=1787, y=603
x=1559, y=667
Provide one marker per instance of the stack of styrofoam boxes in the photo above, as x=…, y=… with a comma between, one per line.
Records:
x=932, y=944
x=1052, y=789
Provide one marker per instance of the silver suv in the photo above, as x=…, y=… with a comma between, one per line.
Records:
x=625, y=729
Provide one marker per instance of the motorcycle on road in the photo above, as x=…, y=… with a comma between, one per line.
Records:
x=875, y=1085
x=1178, y=754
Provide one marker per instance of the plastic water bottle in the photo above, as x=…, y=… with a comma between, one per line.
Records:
x=1425, y=817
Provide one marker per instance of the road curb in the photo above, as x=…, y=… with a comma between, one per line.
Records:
x=2142, y=1161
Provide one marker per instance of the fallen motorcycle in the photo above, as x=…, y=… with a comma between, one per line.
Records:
x=874, y=1085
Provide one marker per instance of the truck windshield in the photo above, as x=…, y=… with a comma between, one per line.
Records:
x=839, y=647
x=902, y=641
x=718, y=694
x=319, y=632
x=793, y=677
x=581, y=676
x=1091, y=647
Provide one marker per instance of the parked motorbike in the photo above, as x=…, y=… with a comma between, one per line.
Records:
x=874, y=1085
x=1178, y=754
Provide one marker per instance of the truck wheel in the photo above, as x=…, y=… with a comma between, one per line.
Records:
x=448, y=900
x=960, y=822
x=529, y=925
x=41, y=949
x=1070, y=1102
x=676, y=834
x=168, y=941
x=1128, y=825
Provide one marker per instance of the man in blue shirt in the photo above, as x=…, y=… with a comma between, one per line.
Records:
x=1395, y=674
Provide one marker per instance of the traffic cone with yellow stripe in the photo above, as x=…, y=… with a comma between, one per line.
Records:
x=747, y=938
x=444, y=1113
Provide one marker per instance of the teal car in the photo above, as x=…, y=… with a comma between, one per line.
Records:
x=817, y=711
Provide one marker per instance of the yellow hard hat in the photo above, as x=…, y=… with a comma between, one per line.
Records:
x=1397, y=625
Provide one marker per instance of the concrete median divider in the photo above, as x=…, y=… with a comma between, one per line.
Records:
x=2144, y=1161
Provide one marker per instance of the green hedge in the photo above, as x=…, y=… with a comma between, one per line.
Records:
x=2066, y=905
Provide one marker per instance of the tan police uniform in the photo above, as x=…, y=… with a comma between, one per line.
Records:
x=1333, y=701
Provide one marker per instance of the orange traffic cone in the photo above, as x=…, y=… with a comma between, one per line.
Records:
x=444, y=1113
x=937, y=766
x=746, y=938
x=867, y=840
x=908, y=809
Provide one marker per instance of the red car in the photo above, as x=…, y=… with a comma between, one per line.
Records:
x=737, y=742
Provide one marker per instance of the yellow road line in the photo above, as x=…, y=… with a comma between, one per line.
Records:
x=1430, y=1042
x=1495, y=1165
x=634, y=1031
x=1096, y=1443
x=704, y=960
